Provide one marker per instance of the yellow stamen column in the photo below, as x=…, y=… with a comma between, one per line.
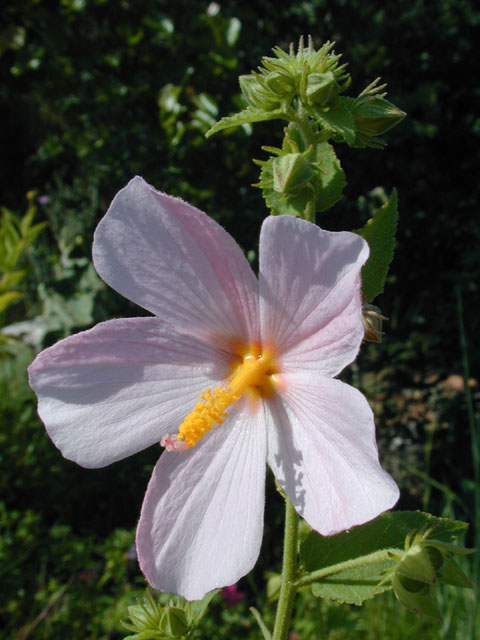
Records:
x=253, y=374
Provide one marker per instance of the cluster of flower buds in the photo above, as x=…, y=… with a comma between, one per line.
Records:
x=315, y=77
x=304, y=88
x=424, y=563
x=308, y=83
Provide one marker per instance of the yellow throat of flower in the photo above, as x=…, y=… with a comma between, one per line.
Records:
x=254, y=375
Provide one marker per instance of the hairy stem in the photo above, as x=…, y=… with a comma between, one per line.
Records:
x=289, y=574
x=373, y=558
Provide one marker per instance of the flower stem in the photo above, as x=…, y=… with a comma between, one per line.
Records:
x=289, y=573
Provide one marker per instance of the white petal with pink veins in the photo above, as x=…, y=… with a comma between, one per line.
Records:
x=116, y=389
x=310, y=294
x=178, y=263
x=321, y=448
x=202, y=518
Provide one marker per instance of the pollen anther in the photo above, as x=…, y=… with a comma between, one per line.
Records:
x=252, y=374
x=212, y=409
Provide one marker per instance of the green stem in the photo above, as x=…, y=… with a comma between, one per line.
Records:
x=474, y=434
x=305, y=127
x=309, y=213
x=289, y=574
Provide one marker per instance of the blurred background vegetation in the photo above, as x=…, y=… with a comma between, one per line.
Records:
x=93, y=92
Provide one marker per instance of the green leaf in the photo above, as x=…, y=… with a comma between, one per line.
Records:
x=147, y=635
x=354, y=584
x=31, y=234
x=331, y=179
x=233, y=31
x=245, y=116
x=387, y=531
x=66, y=313
x=337, y=118
x=12, y=279
x=263, y=627
x=198, y=608
x=379, y=232
x=6, y=299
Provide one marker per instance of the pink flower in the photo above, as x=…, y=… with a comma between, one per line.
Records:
x=232, y=595
x=268, y=350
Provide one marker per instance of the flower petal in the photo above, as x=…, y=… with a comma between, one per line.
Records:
x=310, y=294
x=202, y=518
x=322, y=450
x=178, y=263
x=116, y=389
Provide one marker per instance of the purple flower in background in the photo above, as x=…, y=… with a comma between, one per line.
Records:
x=232, y=595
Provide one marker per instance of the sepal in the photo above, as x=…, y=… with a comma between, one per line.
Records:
x=373, y=116
x=415, y=596
x=174, y=623
x=424, y=562
x=176, y=618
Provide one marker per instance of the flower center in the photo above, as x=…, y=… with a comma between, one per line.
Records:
x=252, y=376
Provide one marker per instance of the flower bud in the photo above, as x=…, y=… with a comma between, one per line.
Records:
x=321, y=89
x=423, y=563
x=374, y=116
x=144, y=615
x=415, y=564
x=174, y=622
x=291, y=172
x=154, y=620
x=282, y=84
x=257, y=93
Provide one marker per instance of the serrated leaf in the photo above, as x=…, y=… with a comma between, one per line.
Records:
x=388, y=531
x=244, y=117
x=331, y=179
x=354, y=586
x=337, y=117
x=379, y=232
